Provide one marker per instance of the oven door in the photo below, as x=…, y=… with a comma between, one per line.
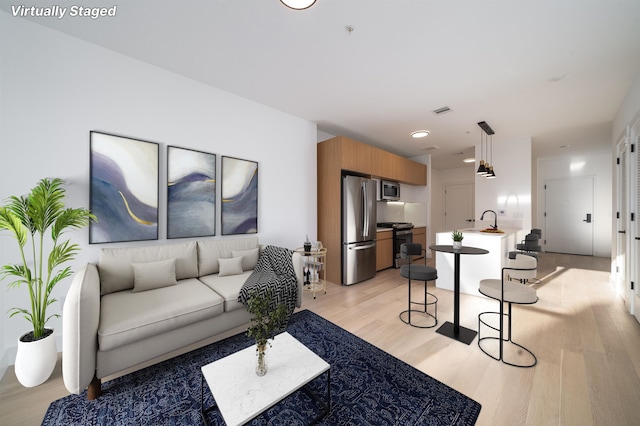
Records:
x=400, y=237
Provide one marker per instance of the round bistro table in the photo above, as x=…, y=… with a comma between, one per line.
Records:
x=454, y=330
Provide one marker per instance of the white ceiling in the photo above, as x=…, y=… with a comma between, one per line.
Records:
x=488, y=61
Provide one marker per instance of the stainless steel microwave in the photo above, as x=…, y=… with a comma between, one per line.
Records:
x=389, y=191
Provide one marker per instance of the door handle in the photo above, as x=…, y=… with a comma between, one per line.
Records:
x=362, y=247
x=588, y=219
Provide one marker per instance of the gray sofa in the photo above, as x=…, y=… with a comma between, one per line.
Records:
x=139, y=303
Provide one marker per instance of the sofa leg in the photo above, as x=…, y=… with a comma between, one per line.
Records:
x=95, y=389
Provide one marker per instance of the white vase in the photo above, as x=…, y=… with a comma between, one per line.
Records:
x=35, y=361
x=457, y=245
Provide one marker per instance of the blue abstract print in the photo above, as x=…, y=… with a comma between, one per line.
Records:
x=239, y=196
x=124, y=189
x=191, y=193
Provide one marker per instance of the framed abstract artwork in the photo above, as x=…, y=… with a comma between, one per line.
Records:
x=239, y=207
x=191, y=193
x=123, y=189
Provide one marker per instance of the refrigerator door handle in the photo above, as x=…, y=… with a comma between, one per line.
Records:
x=368, y=246
x=365, y=210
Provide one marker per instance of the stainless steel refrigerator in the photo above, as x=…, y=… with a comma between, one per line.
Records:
x=358, y=229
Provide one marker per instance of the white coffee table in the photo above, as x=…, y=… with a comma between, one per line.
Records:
x=241, y=395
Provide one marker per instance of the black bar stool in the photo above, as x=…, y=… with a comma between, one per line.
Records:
x=420, y=273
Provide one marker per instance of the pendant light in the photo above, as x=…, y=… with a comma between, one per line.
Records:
x=486, y=169
x=491, y=174
x=298, y=4
x=482, y=170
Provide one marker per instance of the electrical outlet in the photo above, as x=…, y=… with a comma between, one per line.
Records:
x=502, y=212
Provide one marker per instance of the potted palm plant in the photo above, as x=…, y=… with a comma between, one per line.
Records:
x=457, y=237
x=265, y=321
x=29, y=219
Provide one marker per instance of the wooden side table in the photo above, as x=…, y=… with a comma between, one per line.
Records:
x=314, y=270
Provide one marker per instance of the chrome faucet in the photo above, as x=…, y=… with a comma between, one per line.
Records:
x=495, y=220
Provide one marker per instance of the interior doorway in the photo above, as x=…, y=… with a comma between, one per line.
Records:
x=569, y=215
x=459, y=206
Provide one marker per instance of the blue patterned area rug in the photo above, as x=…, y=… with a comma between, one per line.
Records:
x=368, y=387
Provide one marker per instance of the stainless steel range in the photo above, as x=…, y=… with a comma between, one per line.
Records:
x=402, y=233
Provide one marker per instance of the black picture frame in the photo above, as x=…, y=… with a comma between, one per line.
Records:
x=239, y=200
x=191, y=193
x=123, y=188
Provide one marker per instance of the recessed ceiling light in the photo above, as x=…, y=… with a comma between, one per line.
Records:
x=565, y=146
x=298, y=4
x=469, y=160
x=420, y=134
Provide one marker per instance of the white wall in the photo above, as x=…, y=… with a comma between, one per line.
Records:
x=56, y=88
x=511, y=189
x=598, y=167
x=439, y=180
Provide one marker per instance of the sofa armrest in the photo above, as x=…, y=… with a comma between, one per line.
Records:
x=80, y=320
x=297, y=267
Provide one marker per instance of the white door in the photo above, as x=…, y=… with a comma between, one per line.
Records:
x=622, y=236
x=634, y=236
x=458, y=206
x=569, y=215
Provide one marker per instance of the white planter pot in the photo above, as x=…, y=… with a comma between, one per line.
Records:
x=35, y=361
x=457, y=245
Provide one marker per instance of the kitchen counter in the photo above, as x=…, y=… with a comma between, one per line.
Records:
x=476, y=268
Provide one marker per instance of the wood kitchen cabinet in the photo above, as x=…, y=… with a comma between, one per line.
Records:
x=384, y=249
x=355, y=156
x=343, y=154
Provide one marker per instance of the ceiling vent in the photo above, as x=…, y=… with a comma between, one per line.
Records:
x=442, y=110
x=431, y=148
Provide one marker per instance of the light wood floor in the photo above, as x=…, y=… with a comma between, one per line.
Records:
x=588, y=349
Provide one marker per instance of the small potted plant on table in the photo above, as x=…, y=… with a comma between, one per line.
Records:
x=264, y=323
x=457, y=237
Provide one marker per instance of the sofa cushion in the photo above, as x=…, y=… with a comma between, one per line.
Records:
x=249, y=257
x=210, y=251
x=126, y=317
x=227, y=287
x=231, y=266
x=151, y=275
x=116, y=272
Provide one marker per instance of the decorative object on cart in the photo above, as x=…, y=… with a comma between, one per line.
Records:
x=123, y=189
x=191, y=193
x=457, y=238
x=486, y=168
x=307, y=246
x=239, y=209
x=264, y=323
x=28, y=219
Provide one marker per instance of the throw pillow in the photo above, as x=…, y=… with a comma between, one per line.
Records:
x=231, y=266
x=249, y=257
x=151, y=275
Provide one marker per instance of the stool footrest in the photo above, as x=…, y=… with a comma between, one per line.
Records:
x=504, y=345
x=412, y=322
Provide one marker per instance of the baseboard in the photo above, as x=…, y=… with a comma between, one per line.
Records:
x=4, y=362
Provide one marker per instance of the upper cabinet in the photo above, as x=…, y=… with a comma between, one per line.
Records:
x=362, y=158
x=356, y=156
